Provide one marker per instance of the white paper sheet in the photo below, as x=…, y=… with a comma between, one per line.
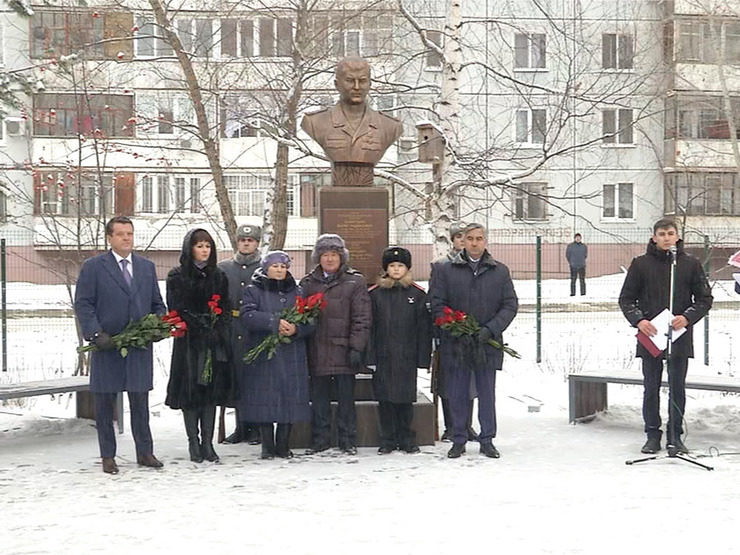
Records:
x=661, y=323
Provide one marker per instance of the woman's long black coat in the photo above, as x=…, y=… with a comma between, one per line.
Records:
x=400, y=339
x=188, y=291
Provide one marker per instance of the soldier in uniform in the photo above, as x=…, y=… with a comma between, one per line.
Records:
x=353, y=135
x=239, y=270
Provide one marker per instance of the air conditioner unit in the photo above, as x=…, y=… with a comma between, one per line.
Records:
x=186, y=143
x=15, y=127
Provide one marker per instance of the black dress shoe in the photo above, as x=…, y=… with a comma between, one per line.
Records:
x=149, y=460
x=385, y=450
x=234, y=438
x=446, y=436
x=676, y=447
x=652, y=446
x=411, y=449
x=109, y=465
x=317, y=449
x=349, y=450
x=456, y=450
x=489, y=450
x=472, y=436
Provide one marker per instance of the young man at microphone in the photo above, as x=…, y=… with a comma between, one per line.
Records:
x=645, y=294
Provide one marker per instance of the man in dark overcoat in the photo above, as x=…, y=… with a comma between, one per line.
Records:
x=645, y=294
x=113, y=289
x=474, y=283
x=239, y=270
x=335, y=351
x=457, y=236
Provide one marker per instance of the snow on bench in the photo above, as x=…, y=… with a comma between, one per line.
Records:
x=587, y=390
x=84, y=408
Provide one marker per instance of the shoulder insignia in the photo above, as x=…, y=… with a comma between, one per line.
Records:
x=372, y=287
x=419, y=287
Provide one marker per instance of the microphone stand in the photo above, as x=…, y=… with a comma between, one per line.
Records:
x=671, y=450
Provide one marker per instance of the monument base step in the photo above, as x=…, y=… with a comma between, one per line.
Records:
x=367, y=425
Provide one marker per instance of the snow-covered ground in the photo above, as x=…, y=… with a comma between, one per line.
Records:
x=558, y=488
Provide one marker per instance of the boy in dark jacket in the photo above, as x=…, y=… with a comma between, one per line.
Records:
x=400, y=343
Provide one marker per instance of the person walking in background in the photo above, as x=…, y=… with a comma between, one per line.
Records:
x=476, y=284
x=645, y=294
x=457, y=236
x=276, y=389
x=239, y=270
x=201, y=372
x=113, y=289
x=576, y=254
x=335, y=350
x=400, y=344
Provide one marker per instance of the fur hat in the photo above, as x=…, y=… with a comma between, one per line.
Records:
x=329, y=242
x=457, y=227
x=249, y=231
x=275, y=257
x=396, y=254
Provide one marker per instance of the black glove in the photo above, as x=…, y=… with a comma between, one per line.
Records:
x=484, y=335
x=103, y=341
x=355, y=358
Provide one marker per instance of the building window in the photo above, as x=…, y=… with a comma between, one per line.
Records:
x=732, y=42
x=163, y=113
x=529, y=201
x=699, y=42
x=71, y=115
x=703, y=194
x=149, y=40
x=68, y=194
x=617, y=199
x=248, y=194
x=531, y=126
x=360, y=34
x=162, y=194
x=617, y=126
x=187, y=194
x=55, y=34
x=3, y=207
x=240, y=117
x=433, y=58
x=530, y=51
x=617, y=51
x=700, y=117
x=196, y=36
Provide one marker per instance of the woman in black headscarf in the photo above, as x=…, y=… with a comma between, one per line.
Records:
x=201, y=373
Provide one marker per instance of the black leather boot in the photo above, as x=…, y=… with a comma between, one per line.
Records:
x=207, y=425
x=238, y=435
x=268, y=441
x=191, y=429
x=282, y=441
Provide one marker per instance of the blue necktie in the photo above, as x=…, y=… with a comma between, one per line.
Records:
x=126, y=274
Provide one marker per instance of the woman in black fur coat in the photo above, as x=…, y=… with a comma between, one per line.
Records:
x=201, y=373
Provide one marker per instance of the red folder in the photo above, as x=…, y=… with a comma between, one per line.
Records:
x=646, y=342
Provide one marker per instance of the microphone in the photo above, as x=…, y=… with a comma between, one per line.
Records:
x=673, y=250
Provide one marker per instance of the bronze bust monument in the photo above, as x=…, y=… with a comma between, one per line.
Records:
x=353, y=135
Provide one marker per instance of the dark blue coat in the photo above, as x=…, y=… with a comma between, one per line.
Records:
x=103, y=302
x=488, y=294
x=274, y=390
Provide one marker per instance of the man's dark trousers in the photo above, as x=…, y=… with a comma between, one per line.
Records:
x=580, y=274
x=104, y=409
x=459, y=398
x=652, y=371
x=321, y=410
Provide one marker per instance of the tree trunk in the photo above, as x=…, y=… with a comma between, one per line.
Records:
x=210, y=144
x=279, y=213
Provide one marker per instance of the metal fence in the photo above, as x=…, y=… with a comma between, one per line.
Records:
x=553, y=330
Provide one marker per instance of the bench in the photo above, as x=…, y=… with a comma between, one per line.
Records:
x=76, y=384
x=587, y=390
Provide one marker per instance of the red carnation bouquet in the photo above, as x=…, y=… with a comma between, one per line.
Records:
x=459, y=323
x=215, y=311
x=305, y=311
x=149, y=329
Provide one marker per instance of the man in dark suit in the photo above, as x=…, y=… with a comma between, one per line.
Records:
x=113, y=289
